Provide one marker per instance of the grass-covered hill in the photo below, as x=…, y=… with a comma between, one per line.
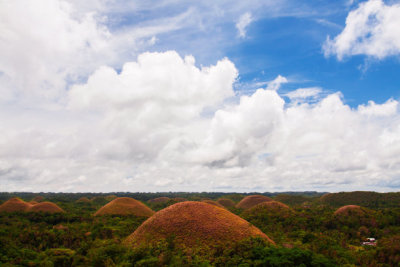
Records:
x=362, y=198
x=294, y=199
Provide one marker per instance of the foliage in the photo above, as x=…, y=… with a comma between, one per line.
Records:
x=310, y=236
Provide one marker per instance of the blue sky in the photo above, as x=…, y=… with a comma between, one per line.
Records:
x=113, y=95
x=293, y=46
x=286, y=41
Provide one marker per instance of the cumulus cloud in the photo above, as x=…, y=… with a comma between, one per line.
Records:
x=302, y=94
x=389, y=108
x=47, y=45
x=44, y=43
x=154, y=100
x=372, y=29
x=162, y=123
x=158, y=77
x=243, y=23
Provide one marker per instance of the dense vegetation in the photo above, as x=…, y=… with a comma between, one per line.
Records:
x=311, y=234
x=362, y=198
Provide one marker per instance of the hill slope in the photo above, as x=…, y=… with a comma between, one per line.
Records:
x=14, y=204
x=252, y=200
x=194, y=224
x=47, y=207
x=125, y=206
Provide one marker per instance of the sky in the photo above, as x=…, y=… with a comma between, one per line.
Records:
x=227, y=96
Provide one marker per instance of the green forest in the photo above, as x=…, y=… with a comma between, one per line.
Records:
x=306, y=229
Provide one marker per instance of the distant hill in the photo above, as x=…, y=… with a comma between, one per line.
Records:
x=362, y=198
x=103, y=198
x=125, y=206
x=250, y=201
x=47, y=207
x=293, y=200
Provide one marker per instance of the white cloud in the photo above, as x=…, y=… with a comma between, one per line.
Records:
x=158, y=77
x=301, y=94
x=243, y=23
x=154, y=99
x=47, y=45
x=275, y=84
x=43, y=44
x=372, y=29
x=162, y=124
x=389, y=108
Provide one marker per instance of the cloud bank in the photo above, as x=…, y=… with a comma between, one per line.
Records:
x=83, y=108
x=162, y=123
x=372, y=29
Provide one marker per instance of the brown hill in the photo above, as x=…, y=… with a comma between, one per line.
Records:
x=292, y=200
x=212, y=202
x=83, y=200
x=250, y=201
x=226, y=202
x=38, y=199
x=125, y=206
x=268, y=209
x=14, y=204
x=350, y=210
x=159, y=200
x=47, y=207
x=33, y=202
x=194, y=225
x=179, y=199
x=354, y=215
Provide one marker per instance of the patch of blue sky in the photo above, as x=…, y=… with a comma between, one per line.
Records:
x=292, y=47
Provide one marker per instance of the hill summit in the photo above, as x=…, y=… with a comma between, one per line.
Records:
x=250, y=201
x=350, y=210
x=226, y=202
x=194, y=224
x=270, y=208
x=125, y=206
x=14, y=204
x=47, y=207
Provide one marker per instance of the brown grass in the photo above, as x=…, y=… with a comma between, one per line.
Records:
x=179, y=199
x=159, y=200
x=14, y=204
x=250, y=201
x=350, y=210
x=271, y=208
x=212, y=202
x=226, y=202
x=33, y=202
x=125, y=206
x=194, y=224
x=60, y=227
x=46, y=206
x=83, y=200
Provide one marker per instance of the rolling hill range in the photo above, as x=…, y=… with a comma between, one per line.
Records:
x=362, y=198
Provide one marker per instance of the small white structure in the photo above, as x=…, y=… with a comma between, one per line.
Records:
x=370, y=241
